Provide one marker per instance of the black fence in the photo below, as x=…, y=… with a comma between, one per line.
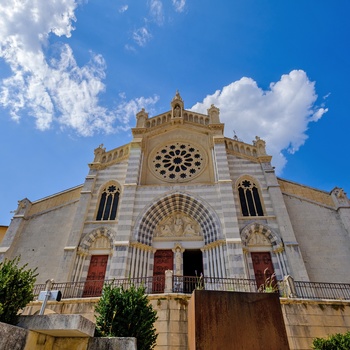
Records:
x=322, y=290
x=186, y=284
x=93, y=288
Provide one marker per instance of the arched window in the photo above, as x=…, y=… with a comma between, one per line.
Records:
x=249, y=198
x=108, y=206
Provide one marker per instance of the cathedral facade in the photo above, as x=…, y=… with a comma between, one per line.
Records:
x=182, y=197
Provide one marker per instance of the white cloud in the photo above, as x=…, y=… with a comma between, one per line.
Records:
x=179, y=5
x=141, y=36
x=128, y=109
x=280, y=115
x=123, y=8
x=156, y=11
x=55, y=91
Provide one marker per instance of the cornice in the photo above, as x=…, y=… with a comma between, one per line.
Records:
x=213, y=245
x=101, y=166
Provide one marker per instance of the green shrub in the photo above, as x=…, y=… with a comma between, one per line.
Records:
x=126, y=313
x=16, y=289
x=334, y=342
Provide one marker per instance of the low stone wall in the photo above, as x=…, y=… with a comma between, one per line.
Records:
x=304, y=319
x=171, y=311
x=17, y=338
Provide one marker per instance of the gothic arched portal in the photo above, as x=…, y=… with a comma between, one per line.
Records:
x=178, y=202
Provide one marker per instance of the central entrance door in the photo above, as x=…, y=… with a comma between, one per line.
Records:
x=192, y=269
x=163, y=260
x=96, y=275
x=263, y=267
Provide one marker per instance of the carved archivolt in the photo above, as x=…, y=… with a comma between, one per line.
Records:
x=177, y=225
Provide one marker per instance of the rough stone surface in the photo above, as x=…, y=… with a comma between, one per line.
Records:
x=12, y=337
x=59, y=325
x=112, y=344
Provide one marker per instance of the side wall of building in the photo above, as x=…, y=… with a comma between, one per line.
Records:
x=323, y=239
x=41, y=240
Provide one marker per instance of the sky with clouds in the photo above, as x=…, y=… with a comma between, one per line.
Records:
x=73, y=74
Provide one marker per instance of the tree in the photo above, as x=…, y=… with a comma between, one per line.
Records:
x=334, y=342
x=16, y=289
x=126, y=313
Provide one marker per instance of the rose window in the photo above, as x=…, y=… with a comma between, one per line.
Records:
x=178, y=162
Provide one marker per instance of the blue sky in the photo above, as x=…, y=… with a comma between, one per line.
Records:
x=74, y=74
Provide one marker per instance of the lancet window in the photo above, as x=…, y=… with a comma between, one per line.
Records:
x=107, y=209
x=249, y=198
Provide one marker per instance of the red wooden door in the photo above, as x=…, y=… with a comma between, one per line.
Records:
x=96, y=275
x=163, y=260
x=263, y=267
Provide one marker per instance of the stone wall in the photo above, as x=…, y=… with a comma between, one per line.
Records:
x=39, y=241
x=304, y=319
x=16, y=338
x=320, y=240
x=11, y=337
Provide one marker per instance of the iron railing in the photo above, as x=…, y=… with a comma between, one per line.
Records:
x=93, y=288
x=322, y=290
x=186, y=284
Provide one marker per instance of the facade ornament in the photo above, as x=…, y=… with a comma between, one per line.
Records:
x=257, y=239
x=141, y=118
x=212, y=245
x=177, y=225
x=99, y=151
x=177, y=106
x=339, y=197
x=260, y=145
x=214, y=115
x=23, y=206
x=82, y=251
x=178, y=251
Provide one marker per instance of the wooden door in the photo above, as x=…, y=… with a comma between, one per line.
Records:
x=96, y=275
x=263, y=267
x=163, y=260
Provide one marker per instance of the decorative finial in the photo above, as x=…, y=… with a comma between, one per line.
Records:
x=177, y=96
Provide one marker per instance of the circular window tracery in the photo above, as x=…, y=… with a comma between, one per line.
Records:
x=178, y=162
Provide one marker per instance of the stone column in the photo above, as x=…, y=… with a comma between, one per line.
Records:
x=168, y=281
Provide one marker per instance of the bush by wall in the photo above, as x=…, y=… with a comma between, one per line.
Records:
x=126, y=313
x=16, y=289
x=334, y=342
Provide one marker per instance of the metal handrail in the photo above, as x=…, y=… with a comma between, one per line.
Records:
x=186, y=284
x=322, y=290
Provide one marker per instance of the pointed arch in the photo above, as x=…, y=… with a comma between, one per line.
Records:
x=258, y=228
x=177, y=202
x=249, y=194
x=260, y=240
x=108, y=201
x=88, y=240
